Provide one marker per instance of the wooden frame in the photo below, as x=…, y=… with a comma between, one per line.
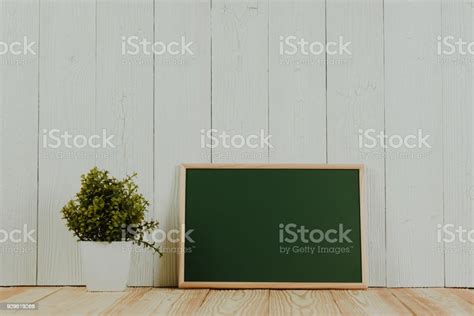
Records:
x=271, y=285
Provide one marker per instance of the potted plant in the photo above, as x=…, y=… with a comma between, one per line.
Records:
x=108, y=216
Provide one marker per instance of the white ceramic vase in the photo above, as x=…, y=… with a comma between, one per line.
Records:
x=105, y=266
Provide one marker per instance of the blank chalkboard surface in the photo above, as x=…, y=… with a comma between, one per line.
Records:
x=272, y=226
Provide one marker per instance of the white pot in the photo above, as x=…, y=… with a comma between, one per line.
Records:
x=105, y=266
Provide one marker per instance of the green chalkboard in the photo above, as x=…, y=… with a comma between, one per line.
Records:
x=275, y=226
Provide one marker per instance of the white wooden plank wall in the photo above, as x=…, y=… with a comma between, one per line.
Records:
x=297, y=83
x=471, y=170
x=18, y=150
x=124, y=105
x=240, y=79
x=67, y=93
x=355, y=102
x=182, y=110
x=414, y=182
x=458, y=143
x=239, y=76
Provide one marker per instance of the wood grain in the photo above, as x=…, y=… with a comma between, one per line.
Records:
x=182, y=110
x=235, y=302
x=458, y=120
x=297, y=83
x=26, y=294
x=189, y=302
x=18, y=142
x=371, y=302
x=67, y=102
x=355, y=102
x=146, y=301
x=414, y=179
x=433, y=302
x=240, y=76
x=125, y=106
x=134, y=295
x=77, y=301
x=153, y=301
x=302, y=302
x=467, y=295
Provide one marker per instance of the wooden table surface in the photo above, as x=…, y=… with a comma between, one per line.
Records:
x=161, y=301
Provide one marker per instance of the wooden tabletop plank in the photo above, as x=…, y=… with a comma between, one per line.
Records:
x=450, y=301
x=7, y=292
x=302, y=302
x=158, y=301
x=432, y=302
x=189, y=302
x=77, y=301
x=370, y=302
x=134, y=296
x=465, y=294
x=25, y=294
x=235, y=302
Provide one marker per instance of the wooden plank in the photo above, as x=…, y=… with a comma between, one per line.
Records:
x=146, y=301
x=355, y=102
x=414, y=180
x=189, y=302
x=151, y=302
x=125, y=105
x=26, y=294
x=235, y=302
x=302, y=302
x=458, y=299
x=297, y=83
x=458, y=144
x=135, y=295
x=7, y=292
x=370, y=302
x=67, y=103
x=182, y=110
x=18, y=142
x=465, y=294
x=240, y=77
x=432, y=302
x=471, y=189
x=77, y=301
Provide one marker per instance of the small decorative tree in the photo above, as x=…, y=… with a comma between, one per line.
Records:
x=107, y=209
